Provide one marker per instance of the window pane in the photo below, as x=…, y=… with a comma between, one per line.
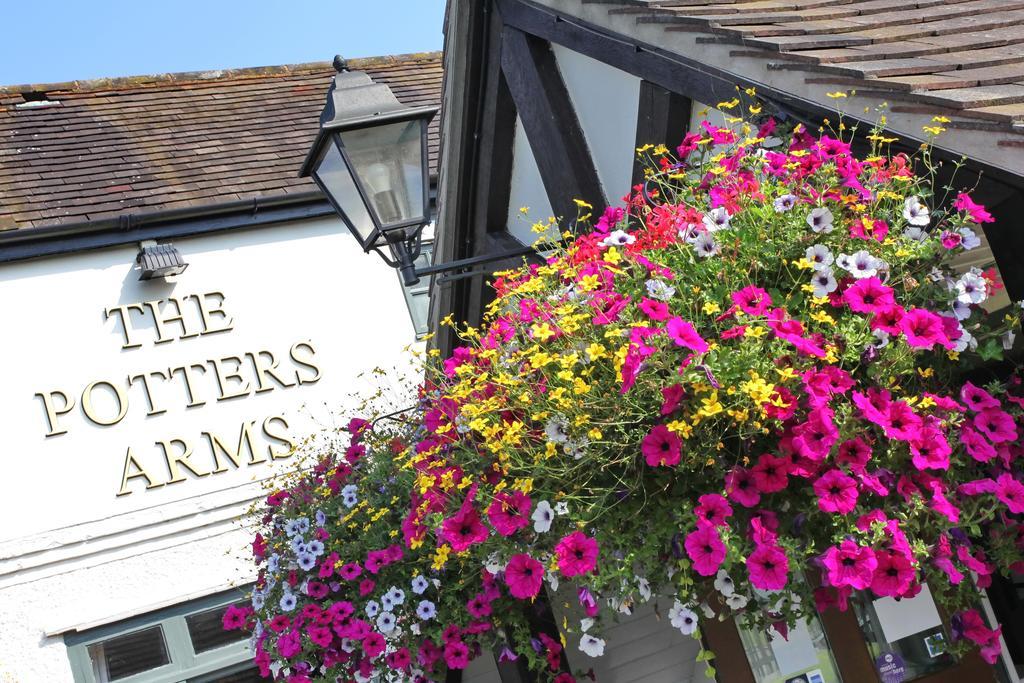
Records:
x=804, y=658
x=131, y=654
x=388, y=160
x=251, y=675
x=206, y=629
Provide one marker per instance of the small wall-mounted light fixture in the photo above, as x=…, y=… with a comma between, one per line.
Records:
x=159, y=261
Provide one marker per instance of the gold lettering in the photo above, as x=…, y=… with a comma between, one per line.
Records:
x=235, y=456
x=281, y=438
x=227, y=323
x=144, y=376
x=126, y=325
x=140, y=471
x=53, y=411
x=307, y=363
x=264, y=368
x=225, y=378
x=162, y=320
x=89, y=410
x=186, y=372
x=183, y=459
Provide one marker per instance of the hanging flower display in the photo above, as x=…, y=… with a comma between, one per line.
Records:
x=742, y=395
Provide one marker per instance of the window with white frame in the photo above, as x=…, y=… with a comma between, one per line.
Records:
x=185, y=643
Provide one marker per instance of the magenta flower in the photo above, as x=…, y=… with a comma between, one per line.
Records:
x=714, y=509
x=868, y=295
x=661, y=447
x=814, y=438
x=577, y=554
x=893, y=575
x=684, y=334
x=977, y=212
x=768, y=568
x=922, y=329
x=930, y=449
x=976, y=445
x=523, y=575
x=854, y=453
x=741, y=487
x=235, y=617
x=373, y=645
x=463, y=529
x=888, y=318
x=456, y=654
x=976, y=398
x=655, y=310
x=996, y=424
x=771, y=473
x=752, y=300
x=478, y=606
x=320, y=635
x=901, y=422
x=705, y=549
x=671, y=396
x=509, y=512
x=836, y=491
x=850, y=565
x=1010, y=492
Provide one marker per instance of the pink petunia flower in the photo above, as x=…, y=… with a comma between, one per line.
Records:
x=463, y=529
x=509, y=512
x=977, y=212
x=850, y=565
x=661, y=447
x=894, y=574
x=523, y=575
x=888, y=318
x=456, y=654
x=714, y=509
x=741, y=487
x=930, y=449
x=577, y=554
x=922, y=329
x=684, y=334
x=976, y=445
x=868, y=295
x=854, y=453
x=901, y=422
x=705, y=548
x=1010, y=492
x=671, y=396
x=478, y=606
x=996, y=424
x=373, y=645
x=771, y=473
x=814, y=438
x=768, y=568
x=976, y=398
x=655, y=310
x=752, y=300
x=836, y=491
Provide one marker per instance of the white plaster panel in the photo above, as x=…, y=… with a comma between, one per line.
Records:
x=606, y=101
x=527, y=190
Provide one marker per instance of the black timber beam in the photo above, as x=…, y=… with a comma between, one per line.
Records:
x=552, y=129
x=662, y=117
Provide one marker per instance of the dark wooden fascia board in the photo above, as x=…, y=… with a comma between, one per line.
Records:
x=662, y=118
x=549, y=120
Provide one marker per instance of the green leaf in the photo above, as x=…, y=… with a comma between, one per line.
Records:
x=991, y=350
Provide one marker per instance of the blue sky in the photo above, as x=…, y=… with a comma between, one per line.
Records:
x=47, y=41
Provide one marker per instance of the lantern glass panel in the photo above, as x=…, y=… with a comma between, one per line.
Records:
x=388, y=160
x=336, y=181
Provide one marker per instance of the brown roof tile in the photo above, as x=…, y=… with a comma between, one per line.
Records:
x=175, y=140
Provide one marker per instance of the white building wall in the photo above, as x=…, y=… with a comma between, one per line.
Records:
x=527, y=190
x=73, y=553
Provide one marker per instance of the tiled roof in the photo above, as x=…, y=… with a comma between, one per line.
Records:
x=965, y=57
x=112, y=146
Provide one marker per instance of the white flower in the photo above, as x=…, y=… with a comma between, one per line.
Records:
x=386, y=622
x=586, y=623
x=557, y=429
x=724, y=584
x=426, y=610
x=915, y=234
x=494, y=563
x=618, y=238
x=969, y=240
x=386, y=603
x=1007, y=340
x=784, y=203
x=419, y=584
x=707, y=610
x=552, y=579
x=372, y=608
x=970, y=289
x=965, y=341
x=820, y=219
x=736, y=601
x=961, y=310
x=659, y=290
x=860, y=264
x=881, y=339
x=683, y=618
x=542, y=517
x=348, y=496
x=561, y=508
x=915, y=212
x=820, y=256
x=705, y=245
x=592, y=646
x=643, y=586
x=716, y=219
x=396, y=595
x=687, y=232
x=824, y=282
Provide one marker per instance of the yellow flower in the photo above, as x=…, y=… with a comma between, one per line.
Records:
x=594, y=434
x=582, y=204
x=590, y=283
x=681, y=428
x=755, y=332
x=823, y=318
x=728, y=105
x=541, y=331
x=803, y=264
x=710, y=308
x=612, y=256
x=839, y=94
x=596, y=351
x=441, y=557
